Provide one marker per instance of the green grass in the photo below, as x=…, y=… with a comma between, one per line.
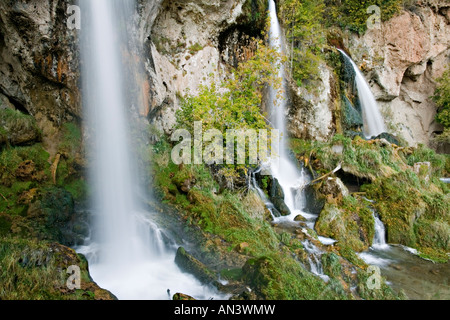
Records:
x=416, y=212
x=274, y=270
x=34, y=270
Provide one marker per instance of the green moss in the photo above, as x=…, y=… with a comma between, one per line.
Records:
x=350, y=255
x=37, y=271
x=195, y=48
x=5, y=225
x=383, y=293
x=78, y=189
x=415, y=212
x=231, y=274
x=351, y=223
x=331, y=265
x=18, y=128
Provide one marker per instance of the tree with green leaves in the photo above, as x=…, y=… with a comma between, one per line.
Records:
x=442, y=99
x=234, y=104
x=304, y=21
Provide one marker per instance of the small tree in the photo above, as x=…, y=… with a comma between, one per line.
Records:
x=442, y=99
x=234, y=104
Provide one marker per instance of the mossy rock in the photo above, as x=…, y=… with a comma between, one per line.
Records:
x=259, y=273
x=19, y=128
x=38, y=271
x=331, y=265
x=351, y=117
x=351, y=223
x=191, y=265
x=433, y=234
x=182, y=297
x=414, y=211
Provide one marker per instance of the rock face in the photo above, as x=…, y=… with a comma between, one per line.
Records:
x=184, y=46
x=401, y=60
x=39, y=60
x=310, y=112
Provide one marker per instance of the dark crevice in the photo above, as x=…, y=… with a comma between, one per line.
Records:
x=18, y=105
x=352, y=182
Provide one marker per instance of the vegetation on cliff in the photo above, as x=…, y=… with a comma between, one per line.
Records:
x=403, y=184
x=442, y=99
x=37, y=213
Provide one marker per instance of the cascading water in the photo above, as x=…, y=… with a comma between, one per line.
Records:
x=126, y=251
x=373, y=123
x=291, y=179
x=379, y=240
x=378, y=244
x=253, y=185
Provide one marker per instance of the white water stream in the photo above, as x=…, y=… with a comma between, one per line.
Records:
x=126, y=251
x=372, y=119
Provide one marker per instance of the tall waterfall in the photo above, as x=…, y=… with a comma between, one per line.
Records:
x=372, y=119
x=126, y=252
x=291, y=178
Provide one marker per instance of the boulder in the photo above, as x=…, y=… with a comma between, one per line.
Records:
x=18, y=128
x=182, y=297
x=276, y=196
x=189, y=264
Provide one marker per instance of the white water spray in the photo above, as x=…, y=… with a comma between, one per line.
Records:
x=379, y=240
x=126, y=252
x=291, y=179
x=372, y=119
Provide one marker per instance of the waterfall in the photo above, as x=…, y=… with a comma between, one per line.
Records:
x=291, y=179
x=379, y=240
x=373, y=123
x=253, y=185
x=126, y=250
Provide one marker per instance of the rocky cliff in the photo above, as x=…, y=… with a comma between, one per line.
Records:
x=402, y=59
x=39, y=63
x=185, y=44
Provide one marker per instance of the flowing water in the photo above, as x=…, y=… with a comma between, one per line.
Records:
x=126, y=251
x=379, y=240
x=404, y=270
x=291, y=178
x=372, y=119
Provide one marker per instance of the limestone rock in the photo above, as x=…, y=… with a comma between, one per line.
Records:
x=310, y=112
x=402, y=61
x=39, y=58
x=183, y=45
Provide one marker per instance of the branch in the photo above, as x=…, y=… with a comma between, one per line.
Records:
x=54, y=167
x=339, y=167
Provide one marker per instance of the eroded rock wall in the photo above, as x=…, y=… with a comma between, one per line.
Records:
x=402, y=60
x=39, y=61
x=189, y=45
